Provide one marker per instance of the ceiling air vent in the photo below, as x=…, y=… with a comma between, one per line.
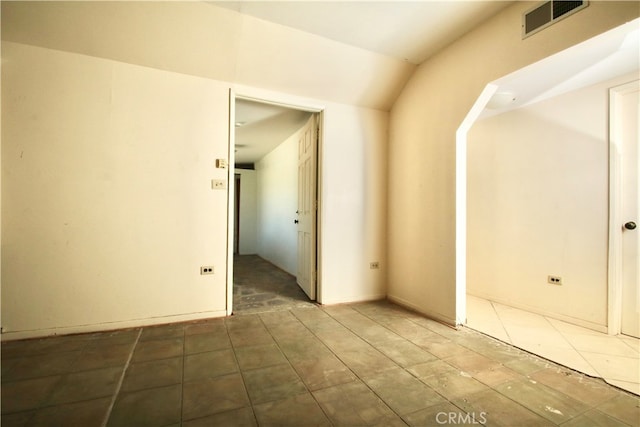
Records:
x=548, y=13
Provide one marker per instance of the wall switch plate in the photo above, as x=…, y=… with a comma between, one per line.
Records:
x=207, y=269
x=221, y=163
x=374, y=265
x=218, y=184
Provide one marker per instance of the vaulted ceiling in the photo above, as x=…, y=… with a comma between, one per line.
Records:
x=351, y=52
x=406, y=30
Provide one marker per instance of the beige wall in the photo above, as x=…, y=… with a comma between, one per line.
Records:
x=108, y=211
x=201, y=39
x=423, y=123
x=538, y=181
x=277, y=195
x=108, y=208
x=248, y=244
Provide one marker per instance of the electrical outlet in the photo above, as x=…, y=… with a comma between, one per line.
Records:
x=218, y=184
x=554, y=280
x=374, y=265
x=207, y=269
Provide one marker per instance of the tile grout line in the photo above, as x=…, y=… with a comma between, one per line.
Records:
x=504, y=328
x=361, y=378
x=184, y=362
x=240, y=372
x=564, y=337
x=291, y=365
x=120, y=381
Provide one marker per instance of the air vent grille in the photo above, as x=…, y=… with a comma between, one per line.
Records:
x=548, y=13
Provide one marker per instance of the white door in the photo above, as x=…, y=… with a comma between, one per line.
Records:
x=628, y=112
x=307, y=207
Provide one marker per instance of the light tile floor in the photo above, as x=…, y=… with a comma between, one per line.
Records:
x=616, y=359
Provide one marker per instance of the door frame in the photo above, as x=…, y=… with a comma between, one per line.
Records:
x=614, y=309
x=288, y=102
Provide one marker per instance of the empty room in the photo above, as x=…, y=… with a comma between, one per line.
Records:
x=319, y=213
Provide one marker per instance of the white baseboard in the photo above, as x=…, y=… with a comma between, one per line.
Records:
x=438, y=317
x=355, y=299
x=109, y=326
x=558, y=316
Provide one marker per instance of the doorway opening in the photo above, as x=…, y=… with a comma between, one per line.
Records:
x=534, y=260
x=273, y=216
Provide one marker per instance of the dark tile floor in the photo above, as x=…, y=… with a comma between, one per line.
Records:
x=259, y=286
x=349, y=365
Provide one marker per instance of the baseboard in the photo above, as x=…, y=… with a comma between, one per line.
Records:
x=355, y=299
x=438, y=317
x=558, y=316
x=109, y=326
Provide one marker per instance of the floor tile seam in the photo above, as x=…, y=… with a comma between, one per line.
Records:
x=45, y=401
x=620, y=389
x=628, y=344
x=414, y=322
x=46, y=353
x=120, y=381
x=439, y=376
x=238, y=372
x=611, y=417
x=597, y=408
x=495, y=311
x=469, y=399
x=184, y=358
x=631, y=358
x=440, y=403
x=525, y=407
x=587, y=406
x=635, y=358
x=358, y=377
x=185, y=354
x=402, y=338
x=580, y=352
x=361, y=378
x=365, y=341
x=369, y=341
x=556, y=362
x=547, y=360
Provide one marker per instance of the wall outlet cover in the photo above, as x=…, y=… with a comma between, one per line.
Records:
x=207, y=269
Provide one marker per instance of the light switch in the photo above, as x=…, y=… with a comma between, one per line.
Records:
x=221, y=163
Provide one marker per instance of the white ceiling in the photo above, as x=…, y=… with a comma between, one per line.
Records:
x=604, y=57
x=262, y=127
x=412, y=31
x=406, y=30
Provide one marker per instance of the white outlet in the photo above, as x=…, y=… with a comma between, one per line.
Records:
x=374, y=265
x=554, y=280
x=218, y=184
x=207, y=269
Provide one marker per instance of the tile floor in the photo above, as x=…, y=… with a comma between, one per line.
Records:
x=614, y=358
x=260, y=286
x=350, y=365
x=360, y=364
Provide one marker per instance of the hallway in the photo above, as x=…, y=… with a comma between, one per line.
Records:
x=260, y=286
